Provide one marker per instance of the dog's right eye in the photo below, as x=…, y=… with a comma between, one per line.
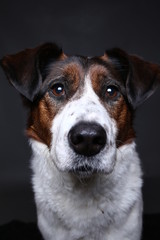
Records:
x=58, y=90
x=112, y=92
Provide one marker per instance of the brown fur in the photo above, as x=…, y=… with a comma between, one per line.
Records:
x=40, y=119
x=121, y=113
x=98, y=74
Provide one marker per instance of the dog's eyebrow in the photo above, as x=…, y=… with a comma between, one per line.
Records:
x=97, y=71
x=57, y=77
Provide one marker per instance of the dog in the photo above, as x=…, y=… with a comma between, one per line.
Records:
x=87, y=175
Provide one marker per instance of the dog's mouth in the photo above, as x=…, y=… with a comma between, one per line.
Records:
x=84, y=168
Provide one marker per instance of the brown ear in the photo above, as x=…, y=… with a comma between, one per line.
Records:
x=25, y=70
x=141, y=78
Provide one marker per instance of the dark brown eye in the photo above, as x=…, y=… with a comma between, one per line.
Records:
x=112, y=92
x=58, y=90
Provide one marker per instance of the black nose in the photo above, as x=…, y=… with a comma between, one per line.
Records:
x=87, y=139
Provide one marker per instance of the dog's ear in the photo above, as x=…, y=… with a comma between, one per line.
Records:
x=141, y=78
x=25, y=70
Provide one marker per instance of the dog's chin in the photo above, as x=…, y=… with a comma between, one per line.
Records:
x=84, y=171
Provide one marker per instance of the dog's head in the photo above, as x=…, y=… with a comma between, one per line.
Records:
x=81, y=107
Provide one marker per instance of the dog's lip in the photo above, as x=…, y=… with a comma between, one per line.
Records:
x=83, y=170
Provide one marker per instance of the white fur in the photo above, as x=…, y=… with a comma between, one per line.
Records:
x=106, y=206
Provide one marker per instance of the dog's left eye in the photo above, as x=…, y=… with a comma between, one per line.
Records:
x=112, y=92
x=58, y=90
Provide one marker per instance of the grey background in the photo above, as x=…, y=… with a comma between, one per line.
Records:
x=80, y=27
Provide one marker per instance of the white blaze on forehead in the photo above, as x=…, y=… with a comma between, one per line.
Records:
x=88, y=108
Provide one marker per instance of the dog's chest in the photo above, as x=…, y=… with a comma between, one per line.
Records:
x=81, y=213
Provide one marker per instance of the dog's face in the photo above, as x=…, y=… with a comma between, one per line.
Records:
x=83, y=131
x=81, y=108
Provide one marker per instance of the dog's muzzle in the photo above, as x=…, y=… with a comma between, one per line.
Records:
x=87, y=138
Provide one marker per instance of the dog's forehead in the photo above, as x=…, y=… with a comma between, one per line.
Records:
x=75, y=68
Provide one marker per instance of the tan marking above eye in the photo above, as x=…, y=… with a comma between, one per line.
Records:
x=72, y=71
x=97, y=74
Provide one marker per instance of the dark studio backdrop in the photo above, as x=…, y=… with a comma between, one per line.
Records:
x=80, y=27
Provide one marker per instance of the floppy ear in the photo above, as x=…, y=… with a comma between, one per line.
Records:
x=141, y=78
x=25, y=70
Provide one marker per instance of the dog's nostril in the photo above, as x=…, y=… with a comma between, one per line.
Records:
x=87, y=139
x=76, y=138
